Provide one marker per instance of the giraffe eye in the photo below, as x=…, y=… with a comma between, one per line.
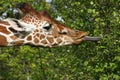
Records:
x=48, y=27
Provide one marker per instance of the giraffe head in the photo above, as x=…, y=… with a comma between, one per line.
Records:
x=48, y=32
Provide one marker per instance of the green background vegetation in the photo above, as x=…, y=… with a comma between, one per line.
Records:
x=87, y=61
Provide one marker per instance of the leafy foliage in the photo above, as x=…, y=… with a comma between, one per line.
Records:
x=88, y=61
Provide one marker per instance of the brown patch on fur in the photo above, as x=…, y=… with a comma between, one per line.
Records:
x=33, y=20
x=4, y=22
x=59, y=40
x=42, y=36
x=36, y=40
x=13, y=37
x=36, y=31
x=4, y=30
x=54, y=45
x=37, y=35
x=3, y=41
x=44, y=41
x=29, y=38
x=17, y=43
x=50, y=39
x=30, y=43
x=17, y=35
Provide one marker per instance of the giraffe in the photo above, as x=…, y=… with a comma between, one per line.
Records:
x=39, y=29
